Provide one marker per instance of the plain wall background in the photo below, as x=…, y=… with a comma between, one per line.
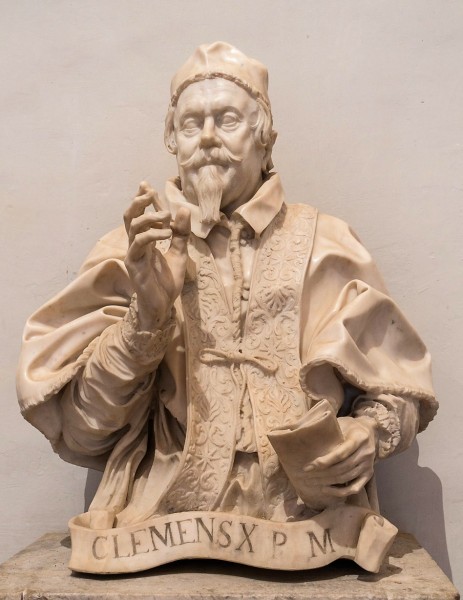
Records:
x=367, y=97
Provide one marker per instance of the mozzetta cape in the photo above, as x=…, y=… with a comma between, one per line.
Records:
x=348, y=329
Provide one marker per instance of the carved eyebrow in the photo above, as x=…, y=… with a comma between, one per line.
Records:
x=188, y=114
x=192, y=112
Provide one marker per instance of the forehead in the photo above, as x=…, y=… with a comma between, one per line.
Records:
x=214, y=94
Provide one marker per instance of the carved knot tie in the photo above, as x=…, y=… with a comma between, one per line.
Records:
x=210, y=355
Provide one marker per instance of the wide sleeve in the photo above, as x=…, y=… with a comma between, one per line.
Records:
x=72, y=345
x=353, y=332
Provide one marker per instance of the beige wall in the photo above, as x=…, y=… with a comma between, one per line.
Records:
x=367, y=97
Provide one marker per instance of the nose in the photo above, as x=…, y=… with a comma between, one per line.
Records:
x=208, y=136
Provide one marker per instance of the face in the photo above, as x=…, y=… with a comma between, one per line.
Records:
x=214, y=137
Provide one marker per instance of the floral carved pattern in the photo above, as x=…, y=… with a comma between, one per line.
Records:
x=212, y=413
x=271, y=330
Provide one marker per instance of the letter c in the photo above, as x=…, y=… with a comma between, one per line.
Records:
x=95, y=541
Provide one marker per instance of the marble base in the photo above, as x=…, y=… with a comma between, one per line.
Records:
x=40, y=572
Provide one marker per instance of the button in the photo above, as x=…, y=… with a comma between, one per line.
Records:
x=245, y=295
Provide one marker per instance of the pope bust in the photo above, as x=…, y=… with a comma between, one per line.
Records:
x=233, y=363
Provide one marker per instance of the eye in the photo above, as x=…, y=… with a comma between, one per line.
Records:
x=190, y=126
x=228, y=121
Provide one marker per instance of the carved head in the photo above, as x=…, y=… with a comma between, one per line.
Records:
x=219, y=126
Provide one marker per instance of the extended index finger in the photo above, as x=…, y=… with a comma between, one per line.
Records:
x=156, y=202
x=144, y=198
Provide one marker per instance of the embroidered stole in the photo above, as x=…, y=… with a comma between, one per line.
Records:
x=265, y=359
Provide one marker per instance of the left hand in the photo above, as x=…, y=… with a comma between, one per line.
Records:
x=345, y=470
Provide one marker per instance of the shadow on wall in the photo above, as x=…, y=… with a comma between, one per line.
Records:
x=91, y=485
x=410, y=497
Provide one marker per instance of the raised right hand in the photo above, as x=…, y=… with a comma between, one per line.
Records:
x=157, y=278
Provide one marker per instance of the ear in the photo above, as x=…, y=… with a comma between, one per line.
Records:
x=169, y=132
x=171, y=143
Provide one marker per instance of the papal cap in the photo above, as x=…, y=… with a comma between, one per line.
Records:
x=221, y=60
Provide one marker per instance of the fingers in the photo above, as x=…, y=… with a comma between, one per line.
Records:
x=350, y=473
x=181, y=228
x=345, y=470
x=137, y=249
x=337, y=470
x=158, y=220
x=357, y=437
x=156, y=202
x=145, y=197
x=145, y=228
x=354, y=487
x=337, y=455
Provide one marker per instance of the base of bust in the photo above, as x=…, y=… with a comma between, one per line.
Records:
x=41, y=571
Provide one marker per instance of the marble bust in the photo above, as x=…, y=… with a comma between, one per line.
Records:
x=232, y=362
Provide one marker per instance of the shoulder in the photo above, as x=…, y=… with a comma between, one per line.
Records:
x=327, y=225
x=330, y=231
x=338, y=248
x=335, y=235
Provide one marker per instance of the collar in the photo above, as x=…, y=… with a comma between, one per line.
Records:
x=258, y=212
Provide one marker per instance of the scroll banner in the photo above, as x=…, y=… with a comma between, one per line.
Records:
x=345, y=532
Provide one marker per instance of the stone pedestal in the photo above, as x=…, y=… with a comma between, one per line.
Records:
x=40, y=572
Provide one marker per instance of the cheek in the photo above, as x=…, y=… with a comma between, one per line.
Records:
x=186, y=145
x=252, y=154
x=240, y=139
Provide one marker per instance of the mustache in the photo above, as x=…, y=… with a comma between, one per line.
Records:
x=215, y=156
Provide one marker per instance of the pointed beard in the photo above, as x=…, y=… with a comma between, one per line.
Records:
x=208, y=188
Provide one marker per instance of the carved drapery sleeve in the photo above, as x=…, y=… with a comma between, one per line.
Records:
x=354, y=334
x=115, y=386
x=83, y=350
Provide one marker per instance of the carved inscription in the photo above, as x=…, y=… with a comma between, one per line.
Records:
x=322, y=547
x=305, y=544
x=231, y=534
